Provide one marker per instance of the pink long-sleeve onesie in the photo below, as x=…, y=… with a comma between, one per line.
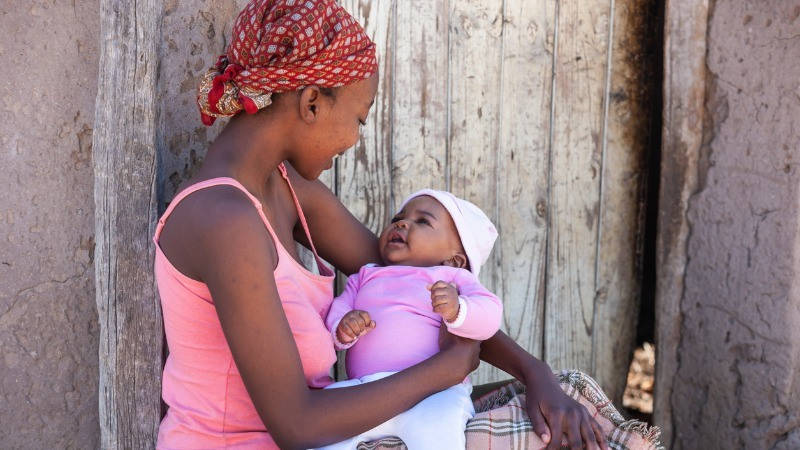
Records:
x=407, y=329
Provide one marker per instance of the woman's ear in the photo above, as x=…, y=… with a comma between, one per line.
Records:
x=309, y=104
x=458, y=260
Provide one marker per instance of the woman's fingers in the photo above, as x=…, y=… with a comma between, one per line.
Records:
x=539, y=425
x=554, y=421
x=598, y=434
x=588, y=434
x=573, y=429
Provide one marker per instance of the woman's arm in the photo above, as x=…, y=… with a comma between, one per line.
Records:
x=552, y=413
x=237, y=258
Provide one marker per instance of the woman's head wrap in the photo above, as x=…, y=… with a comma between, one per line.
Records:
x=281, y=46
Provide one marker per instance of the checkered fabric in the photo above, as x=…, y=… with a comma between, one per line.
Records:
x=281, y=46
x=501, y=423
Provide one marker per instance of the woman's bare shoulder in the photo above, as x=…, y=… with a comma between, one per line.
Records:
x=203, y=223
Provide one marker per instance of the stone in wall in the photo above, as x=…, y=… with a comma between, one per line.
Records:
x=48, y=319
x=194, y=33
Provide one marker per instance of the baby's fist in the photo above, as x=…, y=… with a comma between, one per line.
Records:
x=353, y=325
x=444, y=299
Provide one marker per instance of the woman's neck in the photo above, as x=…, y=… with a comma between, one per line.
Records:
x=248, y=149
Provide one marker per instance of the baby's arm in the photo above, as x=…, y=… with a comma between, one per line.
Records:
x=479, y=311
x=344, y=322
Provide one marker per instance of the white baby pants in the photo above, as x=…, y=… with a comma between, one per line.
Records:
x=436, y=422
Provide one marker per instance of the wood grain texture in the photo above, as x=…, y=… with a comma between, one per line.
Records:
x=623, y=181
x=124, y=158
x=576, y=156
x=420, y=113
x=363, y=176
x=685, y=72
x=475, y=67
x=523, y=161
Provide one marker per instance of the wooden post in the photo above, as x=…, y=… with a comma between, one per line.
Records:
x=684, y=96
x=125, y=168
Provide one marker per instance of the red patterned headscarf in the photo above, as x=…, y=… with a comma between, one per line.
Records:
x=281, y=46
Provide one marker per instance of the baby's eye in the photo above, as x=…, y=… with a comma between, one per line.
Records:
x=423, y=221
x=394, y=219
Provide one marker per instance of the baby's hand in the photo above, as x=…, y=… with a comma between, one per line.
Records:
x=354, y=324
x=444, y=299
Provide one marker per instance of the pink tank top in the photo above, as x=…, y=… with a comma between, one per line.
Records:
x=208, y=404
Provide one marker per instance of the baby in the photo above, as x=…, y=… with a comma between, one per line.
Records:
x=389, y=316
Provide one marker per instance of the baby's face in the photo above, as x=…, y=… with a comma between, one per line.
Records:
x=422, y=234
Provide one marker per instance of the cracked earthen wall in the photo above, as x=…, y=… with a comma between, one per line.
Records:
x=48, y=319
x=730, y=350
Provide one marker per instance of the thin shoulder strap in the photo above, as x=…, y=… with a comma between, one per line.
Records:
x=207, y=184
x=300, y=214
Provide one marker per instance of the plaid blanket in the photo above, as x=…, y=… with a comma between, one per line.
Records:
x=501, y=422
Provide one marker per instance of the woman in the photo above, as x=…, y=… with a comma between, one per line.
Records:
x=244, y=368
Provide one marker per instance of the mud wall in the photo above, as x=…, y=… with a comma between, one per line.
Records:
x=48, y=319
x=728, y=349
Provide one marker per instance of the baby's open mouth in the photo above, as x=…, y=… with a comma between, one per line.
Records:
x=396, y=237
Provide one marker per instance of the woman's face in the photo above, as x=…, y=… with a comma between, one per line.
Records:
x=332, y=124
x=422, y=234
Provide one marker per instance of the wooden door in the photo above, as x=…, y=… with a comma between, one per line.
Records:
x=532, y=109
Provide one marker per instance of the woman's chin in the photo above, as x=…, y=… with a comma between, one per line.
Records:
x=309, y=175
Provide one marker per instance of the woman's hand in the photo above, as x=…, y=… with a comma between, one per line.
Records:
x=554, y=414
x=464, y=352
x=556, y=417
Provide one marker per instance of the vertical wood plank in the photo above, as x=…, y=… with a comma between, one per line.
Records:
x=621, y=209
x=576, y=155
x=419, y=121
x=125, y=164
x=685, y=72
x=523, y=161
x=364, y=172
x=475, y=75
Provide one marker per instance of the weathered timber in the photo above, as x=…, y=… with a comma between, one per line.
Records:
x=125, y=165
x=420, y=111
x=685, y=29
x=523, y=161
x=628, y=99
x=581, y=53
